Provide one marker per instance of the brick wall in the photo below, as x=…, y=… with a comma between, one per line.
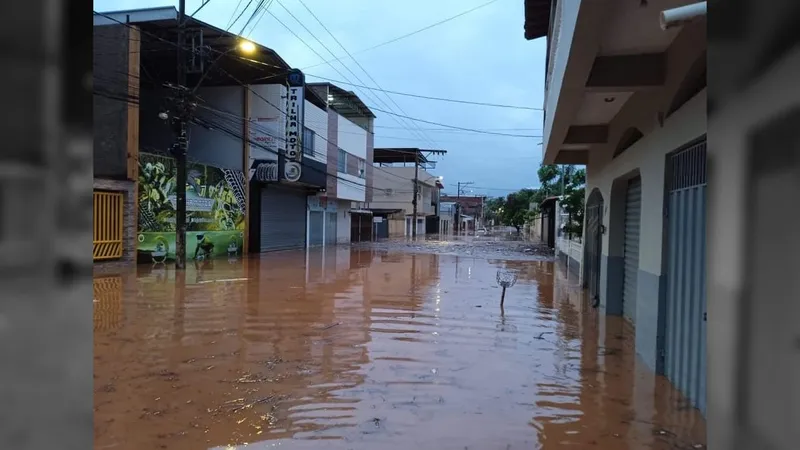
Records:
x=129, y=217
x=109, y=71
x=333, y=152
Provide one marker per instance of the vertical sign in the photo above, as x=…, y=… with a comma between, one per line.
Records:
x=294, y=126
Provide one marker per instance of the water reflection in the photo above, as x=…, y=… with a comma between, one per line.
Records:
x=369, y=349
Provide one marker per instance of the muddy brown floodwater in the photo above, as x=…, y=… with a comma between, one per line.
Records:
x=365, y=348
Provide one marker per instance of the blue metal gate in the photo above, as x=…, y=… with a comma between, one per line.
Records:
x=685, y=334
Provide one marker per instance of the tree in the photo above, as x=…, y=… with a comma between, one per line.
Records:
x=516, y=210
x=567, y=182
x=493, y=207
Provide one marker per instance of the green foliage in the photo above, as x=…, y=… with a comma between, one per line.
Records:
x=516, y=209
x=566, y=182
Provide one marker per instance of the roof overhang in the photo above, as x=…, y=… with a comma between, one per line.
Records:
x=610, y=54
x=344, y=102
x=399, y=155
x=537, y=18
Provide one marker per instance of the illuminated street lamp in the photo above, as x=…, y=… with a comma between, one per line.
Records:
x=243, y=45
x=246, y=47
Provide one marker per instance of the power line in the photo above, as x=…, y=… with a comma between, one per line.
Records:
x=263, y=13
x=202, y=5
x=256, y=11
x=457, y=127
x=454, y=127
x=332, y=54
x=454, y=131
x=233, y=77
x=277, y=108
x=390, y=41
x=240, y=14
x=427, y=97
x=215, y=125
x=379, y=87
x=230, y=21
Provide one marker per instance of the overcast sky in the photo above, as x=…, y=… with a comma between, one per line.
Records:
x=481, y=56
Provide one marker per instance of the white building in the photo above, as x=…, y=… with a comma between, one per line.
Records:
x=350, y=143
x=628, y=99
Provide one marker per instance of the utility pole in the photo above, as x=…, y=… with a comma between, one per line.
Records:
x=416, y=190
x=181, y=145
x=458, y=203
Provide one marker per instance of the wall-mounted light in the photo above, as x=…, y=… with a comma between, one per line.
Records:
x=609, y=99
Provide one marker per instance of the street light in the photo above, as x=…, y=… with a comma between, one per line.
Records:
x=243, y=45
x=247, y=47
x=186, y=101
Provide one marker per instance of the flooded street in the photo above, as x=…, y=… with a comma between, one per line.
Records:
x=369, y=347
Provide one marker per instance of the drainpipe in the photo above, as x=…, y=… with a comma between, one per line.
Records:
x=678, y=16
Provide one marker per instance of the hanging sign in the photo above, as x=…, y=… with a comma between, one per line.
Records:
x=295, y=100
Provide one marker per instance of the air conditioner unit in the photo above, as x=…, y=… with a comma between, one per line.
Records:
x=389, y=191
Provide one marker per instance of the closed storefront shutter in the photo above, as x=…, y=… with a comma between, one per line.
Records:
x=633, y=214
x=330, y=228
x=316, y=221
x=283, y=218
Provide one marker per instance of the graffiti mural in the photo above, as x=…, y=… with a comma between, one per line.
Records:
x=215, y=210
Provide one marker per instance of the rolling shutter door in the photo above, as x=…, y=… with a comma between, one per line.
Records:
x=633, y=209
x=330, y=225
x=283, y=219
x=316, y=228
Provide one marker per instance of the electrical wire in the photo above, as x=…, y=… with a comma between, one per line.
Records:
x=230, y=21
x=458, y=131
x=427, y=97
x=224, y=71
x=202, y=5
x=399, y=122
x=252, y=16
x=218, y=125
x=426, y=139
x=457, y=127
x=390, y=41
x=379, y=87
x=283, y=139
x=263, y=13
x=239, y=16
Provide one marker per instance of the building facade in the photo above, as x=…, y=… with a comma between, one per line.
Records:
x=447, y=217
x=628, y=99
x=472, y=206
x=116, y=73
x=350, y=147
x=257, y=155
x=393, y=196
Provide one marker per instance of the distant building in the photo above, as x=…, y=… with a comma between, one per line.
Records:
x=472, y=206
x=393, y=193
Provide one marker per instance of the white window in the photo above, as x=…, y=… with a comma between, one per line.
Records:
x=342, y=163
x=308, y=141
x=362, y=168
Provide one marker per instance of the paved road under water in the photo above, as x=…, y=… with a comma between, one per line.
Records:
x=366, y=348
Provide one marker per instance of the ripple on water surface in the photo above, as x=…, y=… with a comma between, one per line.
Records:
x=364, y=349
